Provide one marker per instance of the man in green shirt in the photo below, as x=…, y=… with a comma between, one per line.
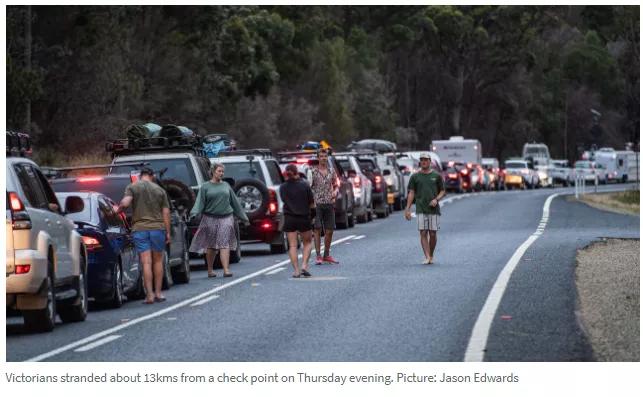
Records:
x=427, y=188
x=150, y=229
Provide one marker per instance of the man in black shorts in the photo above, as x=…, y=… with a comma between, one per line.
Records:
x=298, y=204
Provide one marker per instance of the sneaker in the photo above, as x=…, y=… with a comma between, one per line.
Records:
x=319, y=260
x=330, y=259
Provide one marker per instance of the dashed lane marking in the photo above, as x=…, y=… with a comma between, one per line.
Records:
x=99, y=342
x=206, y=300
x=168, y=309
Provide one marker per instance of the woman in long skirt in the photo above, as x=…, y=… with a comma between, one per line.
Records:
x=217, y=204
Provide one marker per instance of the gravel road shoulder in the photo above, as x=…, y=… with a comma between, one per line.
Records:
x=608, y=285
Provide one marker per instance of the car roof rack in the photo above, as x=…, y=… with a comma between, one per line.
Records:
x=18, y=144
x=62, y=172
x=264, y=153
x=119, y=147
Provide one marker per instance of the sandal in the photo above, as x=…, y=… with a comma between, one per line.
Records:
x=227, y=274
x=211, y=275
x=296, y=275
x=159, y=299
x=305, y=273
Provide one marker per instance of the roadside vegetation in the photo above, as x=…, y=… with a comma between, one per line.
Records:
x=622, y=202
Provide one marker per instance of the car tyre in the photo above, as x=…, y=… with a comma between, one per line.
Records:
x=118, y=297
x=280, y=244
x=248, y=188
x=76, y=311
x=168, y=280
x=181, y=274
x=44, y=320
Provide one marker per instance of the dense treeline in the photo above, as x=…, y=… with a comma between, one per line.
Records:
x=276, y=75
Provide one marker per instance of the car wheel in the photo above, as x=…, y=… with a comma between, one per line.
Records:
x=397, y=204
x=77, y=310
x=168, y=281
x=44, y=320
x=280, y=244
x=351, y=219
x=181, y=274
x=117, y=299
x=253, y=196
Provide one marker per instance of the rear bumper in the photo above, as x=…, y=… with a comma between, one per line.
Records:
x=265, y=230
x=28, y=283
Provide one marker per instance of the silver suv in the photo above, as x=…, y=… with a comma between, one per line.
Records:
x=46, y=259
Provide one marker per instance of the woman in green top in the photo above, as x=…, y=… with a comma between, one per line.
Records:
x=216, y=203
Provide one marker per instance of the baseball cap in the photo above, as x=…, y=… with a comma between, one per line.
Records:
x=425, y=155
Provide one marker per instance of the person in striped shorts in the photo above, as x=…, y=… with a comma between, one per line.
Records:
x=426, y=187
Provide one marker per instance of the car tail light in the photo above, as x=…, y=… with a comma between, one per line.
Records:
x=266, y=225
x=91, y=243
x=464, y=172
x=469, y=165
x=302, y=160
x=378, y=183
x=20, y=219
x=465, y=184
x=453, y=176
x=90, y=179
x=22, y=269
x=273, y=204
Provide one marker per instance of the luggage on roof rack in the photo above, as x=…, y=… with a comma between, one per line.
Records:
x=264, y=153
x=18, y=144
x=138, y=131
x=119, y=147
x=171, y=131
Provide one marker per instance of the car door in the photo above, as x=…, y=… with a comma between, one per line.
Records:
x=119, y=236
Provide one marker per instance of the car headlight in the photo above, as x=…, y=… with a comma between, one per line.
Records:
x=389, y=180
x=542, y=174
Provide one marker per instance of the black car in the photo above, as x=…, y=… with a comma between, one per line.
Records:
x=176, y=261
x=113, y=269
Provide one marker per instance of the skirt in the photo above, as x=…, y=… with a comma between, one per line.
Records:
x=215, y=233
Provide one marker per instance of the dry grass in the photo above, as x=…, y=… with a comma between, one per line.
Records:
x=622, y=202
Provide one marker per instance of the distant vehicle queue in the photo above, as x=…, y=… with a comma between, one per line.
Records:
x=57, y=270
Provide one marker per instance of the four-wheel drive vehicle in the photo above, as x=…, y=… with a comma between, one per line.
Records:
x=344, y=202
x=589, y=171
x=561, y=173
x=520, y=174
x=46, y=260
x=176, y=261
x=257, y=178
x=362, y=186
x=368, y=165
x=181, y=159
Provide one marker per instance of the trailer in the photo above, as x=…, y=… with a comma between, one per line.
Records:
x=619, y=165
x=459, y=150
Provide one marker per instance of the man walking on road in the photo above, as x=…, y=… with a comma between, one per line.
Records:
x=427, y=188
x=298, y=205
x=150, y=229
x=325, y=187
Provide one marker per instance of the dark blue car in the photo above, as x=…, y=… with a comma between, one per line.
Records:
x=113, y=269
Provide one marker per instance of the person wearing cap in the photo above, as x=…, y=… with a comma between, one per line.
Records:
x=426, y=187
x=299, y=205
x=150, y=229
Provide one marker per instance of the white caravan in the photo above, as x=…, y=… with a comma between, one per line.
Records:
x=459, y=150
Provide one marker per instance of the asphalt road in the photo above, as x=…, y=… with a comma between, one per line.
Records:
x=379, y=304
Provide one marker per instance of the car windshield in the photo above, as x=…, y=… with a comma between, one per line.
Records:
x=582, y=164
x=515, y=164
x=112, y=188
x=244, y=169
x=367, y=165
x=179, y=169
x=345, y=164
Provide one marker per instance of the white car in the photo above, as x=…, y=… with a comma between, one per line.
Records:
x=520, y=174
x=589, y=171
x=46, y=271
x=561, y=173
x=362, y=186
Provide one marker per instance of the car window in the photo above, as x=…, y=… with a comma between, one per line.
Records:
x=179, y=169
x=367, y=165
x=274, y=172
x=107, y=214
x=114, y=188
x=32, y=189
x=346, y=164
x=204, y=167
x=46, y=188
x=515, y=165
x=83, y=216
x=244, y=169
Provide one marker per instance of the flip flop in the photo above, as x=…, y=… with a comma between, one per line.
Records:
x=212, y=275
x=305, y=273
x=227, y=274
x=161, y=299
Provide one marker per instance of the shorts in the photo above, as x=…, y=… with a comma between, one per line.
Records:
x=145, y=240
x=293, y=223
x=325, y=216
x=428, y=222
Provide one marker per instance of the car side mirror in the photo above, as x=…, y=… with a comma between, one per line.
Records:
x=74, y=204
x=230, y=181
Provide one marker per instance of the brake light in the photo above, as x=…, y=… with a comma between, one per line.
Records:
x=469, y=165
x=91, y=243
x=273, y=204
x=464, y=172
x=266, y=225
x=302, y=160
x=378, y=179
x=90, y=179
x=453, y=176
x=16, y=203
x=22, y=269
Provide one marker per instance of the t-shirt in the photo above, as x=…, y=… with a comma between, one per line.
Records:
x=217, y=199
x=426, y=188
x=297, y=197
x=149, y=199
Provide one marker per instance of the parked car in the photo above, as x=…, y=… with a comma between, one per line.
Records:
x=454, y=179
x=362, y=186
x=176, y=261
x=113, y=269
x=590, y=171
x=344, y=202
x=368, y=165
x=520, y=174
x=496, y=177
x=46, y=260
x=408, y=166
x=561, y=173
x=257, y=177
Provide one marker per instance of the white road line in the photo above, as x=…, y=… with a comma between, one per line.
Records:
x=204, y=301
x=480, y=334
x=280, y=269
x=168, y=309
x=359, y=237
x=97, y=343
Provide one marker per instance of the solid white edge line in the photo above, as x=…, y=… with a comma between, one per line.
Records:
x=186, y=302
x=204, y=301
x=270, y=273
x=480, y=333
x=359, y=237
x=99, y=342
